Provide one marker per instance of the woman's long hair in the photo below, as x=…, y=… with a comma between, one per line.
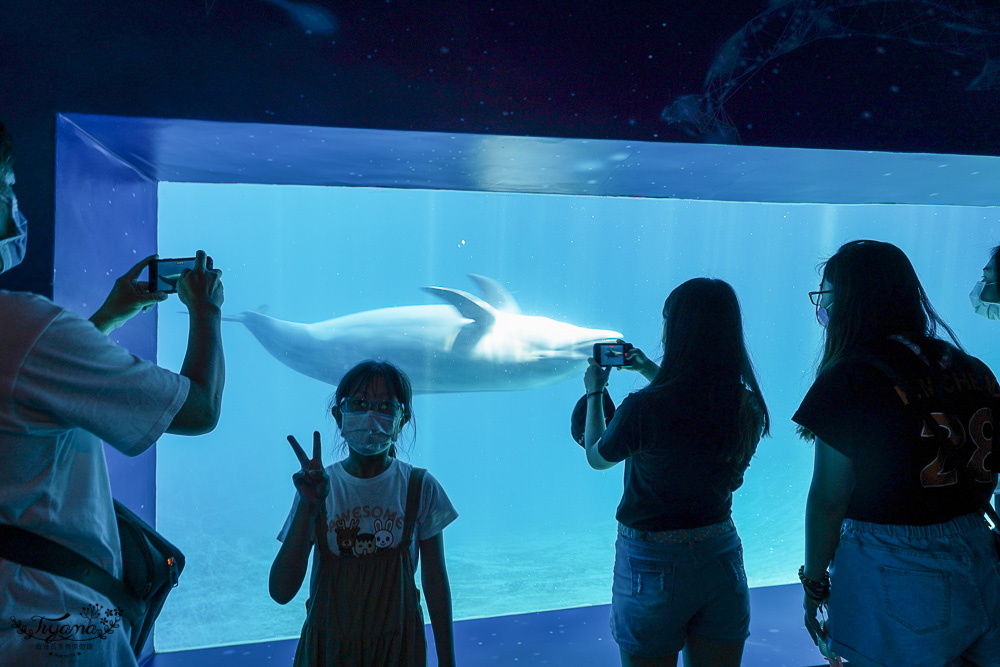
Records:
x=876, y=294
x=704, y=349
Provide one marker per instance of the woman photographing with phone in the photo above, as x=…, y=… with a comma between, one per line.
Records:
x=686, y=440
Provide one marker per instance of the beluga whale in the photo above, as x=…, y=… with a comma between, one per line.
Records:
x=467, y=344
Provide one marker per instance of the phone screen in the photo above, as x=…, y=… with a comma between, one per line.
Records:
x=164, y=273
x=610, y=354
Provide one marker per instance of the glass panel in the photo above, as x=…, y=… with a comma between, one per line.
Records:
x=536, y=528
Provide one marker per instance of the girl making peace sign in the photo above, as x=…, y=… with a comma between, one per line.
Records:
x=371, y=512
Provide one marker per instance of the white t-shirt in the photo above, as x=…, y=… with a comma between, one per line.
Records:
x=365, y=515
x=64, y=387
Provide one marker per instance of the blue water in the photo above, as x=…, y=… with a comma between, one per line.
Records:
x=536, y=527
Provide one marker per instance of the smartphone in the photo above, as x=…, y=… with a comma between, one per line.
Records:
x=612, y=354
x=164, y=273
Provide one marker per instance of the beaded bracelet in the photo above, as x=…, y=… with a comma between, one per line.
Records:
x=817, y=589
x=595, y=393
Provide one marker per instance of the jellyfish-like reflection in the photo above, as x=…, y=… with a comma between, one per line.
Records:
x=960, y=27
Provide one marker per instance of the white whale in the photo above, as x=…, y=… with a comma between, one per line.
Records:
x=472, y=344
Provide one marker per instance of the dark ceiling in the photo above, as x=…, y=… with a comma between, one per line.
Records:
x=909, y=76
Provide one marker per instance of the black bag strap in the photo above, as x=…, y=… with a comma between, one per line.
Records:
x=413, y=489
x=32, y=550
x=919, y=401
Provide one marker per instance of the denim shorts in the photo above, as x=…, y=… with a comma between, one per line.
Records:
x=916, y=595
x=664, y=592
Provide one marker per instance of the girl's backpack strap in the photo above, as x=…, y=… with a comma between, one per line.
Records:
x=413, y=488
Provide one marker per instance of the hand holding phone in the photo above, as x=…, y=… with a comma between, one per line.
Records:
x=164, y=273
x=612, y=354
x=128, y=297
x=202, y=285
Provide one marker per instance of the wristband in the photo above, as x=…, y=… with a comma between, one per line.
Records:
x=595, y=393
x=817, y=589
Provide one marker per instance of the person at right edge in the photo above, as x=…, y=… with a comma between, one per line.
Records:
x=897, y=550
x=985, y=297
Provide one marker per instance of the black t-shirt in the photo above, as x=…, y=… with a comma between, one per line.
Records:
x=672, y=440
x=901, y=477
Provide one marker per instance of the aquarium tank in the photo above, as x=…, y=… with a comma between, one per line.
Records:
x=575, y=236
x=536, y=529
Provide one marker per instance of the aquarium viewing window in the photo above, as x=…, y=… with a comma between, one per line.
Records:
x=311, y=224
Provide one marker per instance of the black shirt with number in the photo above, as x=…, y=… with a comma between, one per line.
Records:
x=674, y=440
x=904, y=473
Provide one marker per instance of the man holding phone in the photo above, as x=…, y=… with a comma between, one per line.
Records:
x=65, y=387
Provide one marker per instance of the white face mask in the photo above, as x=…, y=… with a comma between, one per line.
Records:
x=369, y=433
x=987, y=309
x=12, y=248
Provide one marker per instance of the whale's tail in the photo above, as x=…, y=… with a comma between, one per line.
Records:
x=242, y=317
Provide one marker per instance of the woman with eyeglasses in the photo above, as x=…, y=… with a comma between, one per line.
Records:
x=897, y=551
x=365, y=519
x=686, y=440
x=985, y=297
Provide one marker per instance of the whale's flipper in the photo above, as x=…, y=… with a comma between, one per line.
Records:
x=495, y=294
x=470, y=307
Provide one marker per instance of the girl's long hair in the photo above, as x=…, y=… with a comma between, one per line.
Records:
x=360, y=377
x=704, y=350
x=876, y=294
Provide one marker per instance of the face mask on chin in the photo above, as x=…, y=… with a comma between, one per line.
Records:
x=13, y=248
x=987, y=309
x=370, y=433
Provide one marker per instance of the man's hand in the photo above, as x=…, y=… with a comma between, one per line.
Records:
x=201, y=285
x=200, y=289
x=128, y=297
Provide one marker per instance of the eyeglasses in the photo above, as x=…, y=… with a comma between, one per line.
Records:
x=388, y=408
x=814, y=297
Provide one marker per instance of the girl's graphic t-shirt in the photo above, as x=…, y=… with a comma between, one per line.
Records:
x=365, y=516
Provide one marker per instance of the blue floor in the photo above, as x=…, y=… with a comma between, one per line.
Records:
x=565, y=637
